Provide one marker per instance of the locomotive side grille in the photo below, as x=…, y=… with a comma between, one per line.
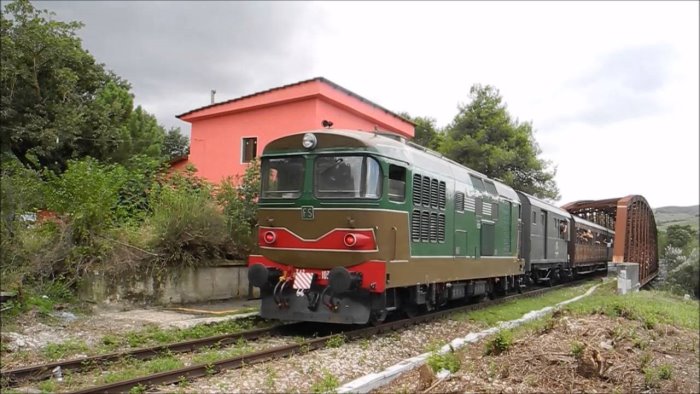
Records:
x=425, y=195
x=486, y=208
x=416, y=189
x=441, y=227
x=470, y=204
x=441, y=195
x=415, y=225
x=425, y=226
x=459, y=201
x=428, y=225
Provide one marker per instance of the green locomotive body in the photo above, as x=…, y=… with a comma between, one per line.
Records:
x=353, y=225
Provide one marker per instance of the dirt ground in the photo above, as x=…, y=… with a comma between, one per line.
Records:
x=594, y=354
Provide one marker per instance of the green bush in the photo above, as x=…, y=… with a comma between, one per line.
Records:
x=187, y=224
x=501, y=342
x=239, y=200
x=88, y=193
x=448, y=361
x=328, y=384
x=577, y=349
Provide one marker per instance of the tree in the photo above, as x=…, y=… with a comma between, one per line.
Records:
x=427, y=132
x=57, y=102
x=483, y=136
x=680, y=236
x=175, y=145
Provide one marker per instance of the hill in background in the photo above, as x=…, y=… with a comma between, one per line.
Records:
x=666, y=216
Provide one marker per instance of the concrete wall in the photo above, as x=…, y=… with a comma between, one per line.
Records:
x=215, y=282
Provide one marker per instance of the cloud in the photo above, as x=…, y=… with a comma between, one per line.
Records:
x=176, y=52
x=624, y=85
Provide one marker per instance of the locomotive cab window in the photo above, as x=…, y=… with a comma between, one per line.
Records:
x=490, y=188
x=397, y=183
x=347, y=177
x=282, y=177
x=478, y=183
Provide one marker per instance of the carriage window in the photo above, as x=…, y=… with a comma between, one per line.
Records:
x=534, y=218
x=282, y=177
x=347, y=177
x=563, y=229
x=397, y=183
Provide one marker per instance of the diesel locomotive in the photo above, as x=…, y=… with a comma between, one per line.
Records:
x=354, y=225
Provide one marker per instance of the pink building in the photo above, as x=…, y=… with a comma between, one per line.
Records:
x=227, y=135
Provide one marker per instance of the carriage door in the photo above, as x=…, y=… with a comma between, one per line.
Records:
x=460, y=226
x=545, y=232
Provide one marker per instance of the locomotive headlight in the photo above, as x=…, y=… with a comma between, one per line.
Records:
x=309, y=141
x=269, y=237
x=350, y=240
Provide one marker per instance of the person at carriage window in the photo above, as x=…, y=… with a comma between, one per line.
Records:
x=563, y=228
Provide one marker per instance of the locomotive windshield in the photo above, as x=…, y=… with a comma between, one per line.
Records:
x=347, y=177
x=282, y=177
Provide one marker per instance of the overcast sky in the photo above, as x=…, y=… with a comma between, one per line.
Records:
x=611, y=88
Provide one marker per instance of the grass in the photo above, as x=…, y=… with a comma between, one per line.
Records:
x=649, y=307
x=448, y=361
x=577, y=349
x=501, y=342
x=55, y=351
x=152, y=335
x=328, y=384
x=336, y=341
x=517, y=308
x=134, y=369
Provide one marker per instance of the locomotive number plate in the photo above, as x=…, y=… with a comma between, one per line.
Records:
x=307, y=213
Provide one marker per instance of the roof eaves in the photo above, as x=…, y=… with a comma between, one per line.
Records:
x=320, y=79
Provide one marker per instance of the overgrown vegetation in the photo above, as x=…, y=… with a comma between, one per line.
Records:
x=681, y=259
x=114, y=218
x=328, y=384
x=501, y=342
x=449, y=361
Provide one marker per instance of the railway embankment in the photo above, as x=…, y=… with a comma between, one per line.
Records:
x=640, y=342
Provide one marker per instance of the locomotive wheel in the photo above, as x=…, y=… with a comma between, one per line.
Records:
x=377, y=317
x=412, y=310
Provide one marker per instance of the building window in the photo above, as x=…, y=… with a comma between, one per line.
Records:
x=249, y=149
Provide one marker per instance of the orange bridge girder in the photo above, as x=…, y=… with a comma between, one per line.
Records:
x=635, y=230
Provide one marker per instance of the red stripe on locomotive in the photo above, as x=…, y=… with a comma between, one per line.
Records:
x=359, y=240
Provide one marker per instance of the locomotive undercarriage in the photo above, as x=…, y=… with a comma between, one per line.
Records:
x=359, y=306
x=552, y=274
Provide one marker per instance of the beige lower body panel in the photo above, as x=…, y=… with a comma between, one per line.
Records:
x=431, y=270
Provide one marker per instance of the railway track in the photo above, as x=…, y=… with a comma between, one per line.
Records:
x=201, y=370
x=44, y=371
